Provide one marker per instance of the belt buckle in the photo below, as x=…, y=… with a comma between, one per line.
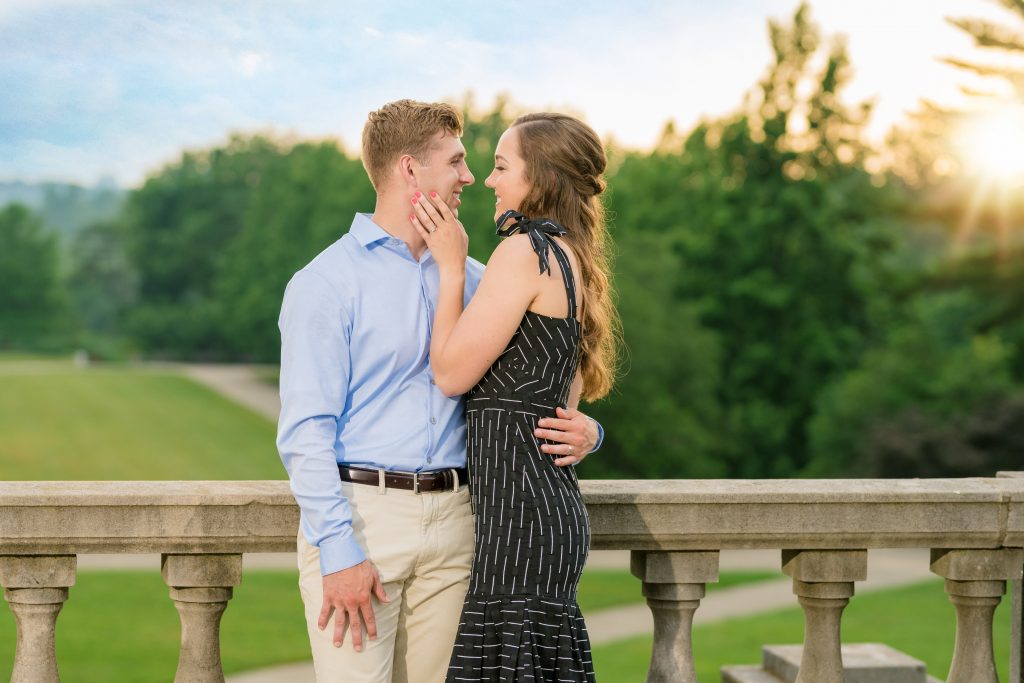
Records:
x=416, y=483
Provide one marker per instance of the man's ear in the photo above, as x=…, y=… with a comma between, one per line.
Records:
x=407, y=170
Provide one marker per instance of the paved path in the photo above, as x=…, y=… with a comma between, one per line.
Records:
x=240, y=383
x=886, y=569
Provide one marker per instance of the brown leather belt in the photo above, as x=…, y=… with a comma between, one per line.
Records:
x=417, y=482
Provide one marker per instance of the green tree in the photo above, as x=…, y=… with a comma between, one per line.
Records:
x=990, y=36
x=781, y=235
x=102, y=284
x=663, y=418
x=31, y=302
x=179, y=226
x=931, y=401
x=304, y=201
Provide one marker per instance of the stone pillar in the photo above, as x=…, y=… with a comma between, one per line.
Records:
x=975, y=581
x=673, y=583
x=36, y=587
x=823, y=582
x=201, y=586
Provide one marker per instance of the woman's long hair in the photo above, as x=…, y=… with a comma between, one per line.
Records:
x=565, y=161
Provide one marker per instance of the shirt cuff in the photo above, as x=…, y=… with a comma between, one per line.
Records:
x=339, y=553
x=600, y=436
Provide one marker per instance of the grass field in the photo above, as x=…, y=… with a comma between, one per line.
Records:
x=120, y=423
x=120, y=626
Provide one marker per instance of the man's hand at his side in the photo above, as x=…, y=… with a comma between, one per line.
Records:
x=574, y=434
x=347, y=594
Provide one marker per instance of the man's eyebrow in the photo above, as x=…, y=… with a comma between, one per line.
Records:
x=458, y=155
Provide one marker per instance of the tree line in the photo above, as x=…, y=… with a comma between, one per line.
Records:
x=789, y=308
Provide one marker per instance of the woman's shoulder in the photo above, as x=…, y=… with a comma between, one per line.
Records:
x=514, y=251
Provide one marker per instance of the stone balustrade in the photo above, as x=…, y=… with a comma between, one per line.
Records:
x=675, y=528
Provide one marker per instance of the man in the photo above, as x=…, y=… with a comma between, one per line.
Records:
x=376, y=454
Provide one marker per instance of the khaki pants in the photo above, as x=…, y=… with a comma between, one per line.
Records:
x=422, y=545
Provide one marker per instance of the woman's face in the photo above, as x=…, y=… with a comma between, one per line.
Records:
x=508, y=179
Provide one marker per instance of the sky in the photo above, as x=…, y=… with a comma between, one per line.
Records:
x=117, y=89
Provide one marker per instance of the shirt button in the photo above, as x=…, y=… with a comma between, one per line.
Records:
x=431, y=380
x=430, y=460
x=433, y=420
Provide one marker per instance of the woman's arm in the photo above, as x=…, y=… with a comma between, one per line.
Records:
x=463, y=347
x=464, y=344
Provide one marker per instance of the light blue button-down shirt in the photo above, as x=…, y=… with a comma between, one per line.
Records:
x=356, y=385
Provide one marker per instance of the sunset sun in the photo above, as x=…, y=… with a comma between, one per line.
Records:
x=992, y=145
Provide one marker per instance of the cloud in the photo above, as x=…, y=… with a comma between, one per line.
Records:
x=250, y=63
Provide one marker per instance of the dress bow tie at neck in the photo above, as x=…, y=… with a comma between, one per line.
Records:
x=536, y=228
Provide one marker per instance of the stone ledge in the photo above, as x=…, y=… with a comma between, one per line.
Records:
x=261, y=516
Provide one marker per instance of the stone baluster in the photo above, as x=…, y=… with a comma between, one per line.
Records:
x=673, y=583
x=200, y=586
x=36, y=587
x=975, y=581
x=823, y=581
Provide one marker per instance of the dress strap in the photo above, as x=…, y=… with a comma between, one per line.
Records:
x=567, y=277
x=541, y=232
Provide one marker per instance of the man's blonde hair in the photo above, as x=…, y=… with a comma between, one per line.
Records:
x=404, y=127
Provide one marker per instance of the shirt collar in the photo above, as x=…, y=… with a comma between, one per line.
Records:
x=366, y=231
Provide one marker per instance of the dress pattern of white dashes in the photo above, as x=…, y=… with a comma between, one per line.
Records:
x=520, y=621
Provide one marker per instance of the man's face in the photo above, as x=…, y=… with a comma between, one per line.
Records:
x=444, y=169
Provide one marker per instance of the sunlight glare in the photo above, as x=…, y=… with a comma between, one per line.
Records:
x=993, y=144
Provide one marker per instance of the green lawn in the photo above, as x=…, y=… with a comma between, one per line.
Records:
x=121, y=423
x=121, y=626
x=604, y=588
x=918, y=620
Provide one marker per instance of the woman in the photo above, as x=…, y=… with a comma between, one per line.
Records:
x=529, y=341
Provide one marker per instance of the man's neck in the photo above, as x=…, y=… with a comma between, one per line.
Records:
x=392, y=214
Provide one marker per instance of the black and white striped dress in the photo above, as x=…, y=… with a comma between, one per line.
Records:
x=520, y=621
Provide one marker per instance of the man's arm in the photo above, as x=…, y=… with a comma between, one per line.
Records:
x=314, y=380
x=575, y=434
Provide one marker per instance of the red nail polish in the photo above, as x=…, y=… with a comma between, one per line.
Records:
x=433, y=194
x=414, y=200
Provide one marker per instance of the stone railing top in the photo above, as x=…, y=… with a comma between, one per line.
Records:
x=261, y=516
x=596, y=491
x=780, y=491
x=143, y=493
